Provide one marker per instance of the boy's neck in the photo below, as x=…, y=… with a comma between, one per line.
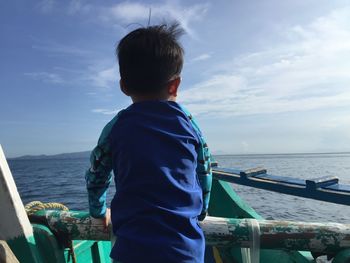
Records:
x=167, y=94
x=141, y=98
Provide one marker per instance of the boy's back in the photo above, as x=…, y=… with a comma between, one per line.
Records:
x=159, y=157
x=158, y=196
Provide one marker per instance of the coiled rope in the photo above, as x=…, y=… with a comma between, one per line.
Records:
x=35, y=206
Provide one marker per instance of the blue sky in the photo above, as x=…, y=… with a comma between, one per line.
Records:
x=261, y=76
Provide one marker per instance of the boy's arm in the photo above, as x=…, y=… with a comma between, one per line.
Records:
x=203, y=170
x=98, y=176
x=204, y=174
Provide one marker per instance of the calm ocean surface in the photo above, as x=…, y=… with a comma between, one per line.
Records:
x=62, y=180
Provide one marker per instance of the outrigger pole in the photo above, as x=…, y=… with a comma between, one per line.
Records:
x=325, y=188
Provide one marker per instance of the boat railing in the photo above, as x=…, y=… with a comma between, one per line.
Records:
x=318, y=238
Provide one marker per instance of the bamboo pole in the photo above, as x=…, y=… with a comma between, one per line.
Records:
x=15, y=227
x=327, y=238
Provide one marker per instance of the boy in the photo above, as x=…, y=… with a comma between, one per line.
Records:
x=159, y=158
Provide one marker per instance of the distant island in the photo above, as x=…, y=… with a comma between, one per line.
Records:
x=85, y=154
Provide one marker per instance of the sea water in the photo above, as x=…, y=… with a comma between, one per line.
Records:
x=62, y=180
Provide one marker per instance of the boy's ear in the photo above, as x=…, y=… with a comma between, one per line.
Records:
x=173, y=86
x=123, y=88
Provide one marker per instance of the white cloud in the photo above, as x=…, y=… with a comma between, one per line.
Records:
x=138, y=12
x=104, y=78
x=78, y=6
x=309, y=70
x=201, y=57
x=129, y=12
x=46, y=77
x=46, y=6
x=105, y=111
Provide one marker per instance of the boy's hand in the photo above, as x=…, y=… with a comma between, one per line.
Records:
x=202, y=216
x=107, y=219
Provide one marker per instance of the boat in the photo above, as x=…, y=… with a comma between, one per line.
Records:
x=234, y=231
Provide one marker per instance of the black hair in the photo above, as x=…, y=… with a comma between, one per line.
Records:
x=149, y=57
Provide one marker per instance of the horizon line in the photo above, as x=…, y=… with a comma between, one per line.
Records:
x=214, y=154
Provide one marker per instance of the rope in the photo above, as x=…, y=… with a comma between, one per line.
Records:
x=252, y=254
x=35, y=206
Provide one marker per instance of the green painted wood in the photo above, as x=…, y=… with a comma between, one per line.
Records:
x=90, y=251
x=82, y=250
x=100, y=252
x=25, y=249
x=342, y=257
x=226, y=203
x=104, y=249
x=49, y=249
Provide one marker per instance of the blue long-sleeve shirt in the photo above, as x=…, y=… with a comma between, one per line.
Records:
x=163, y=180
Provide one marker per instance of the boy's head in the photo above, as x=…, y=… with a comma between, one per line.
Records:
x=150, y=59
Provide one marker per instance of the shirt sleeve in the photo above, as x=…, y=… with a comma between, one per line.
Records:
x=203, y=170
x=204, y=174
x=98, y=176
